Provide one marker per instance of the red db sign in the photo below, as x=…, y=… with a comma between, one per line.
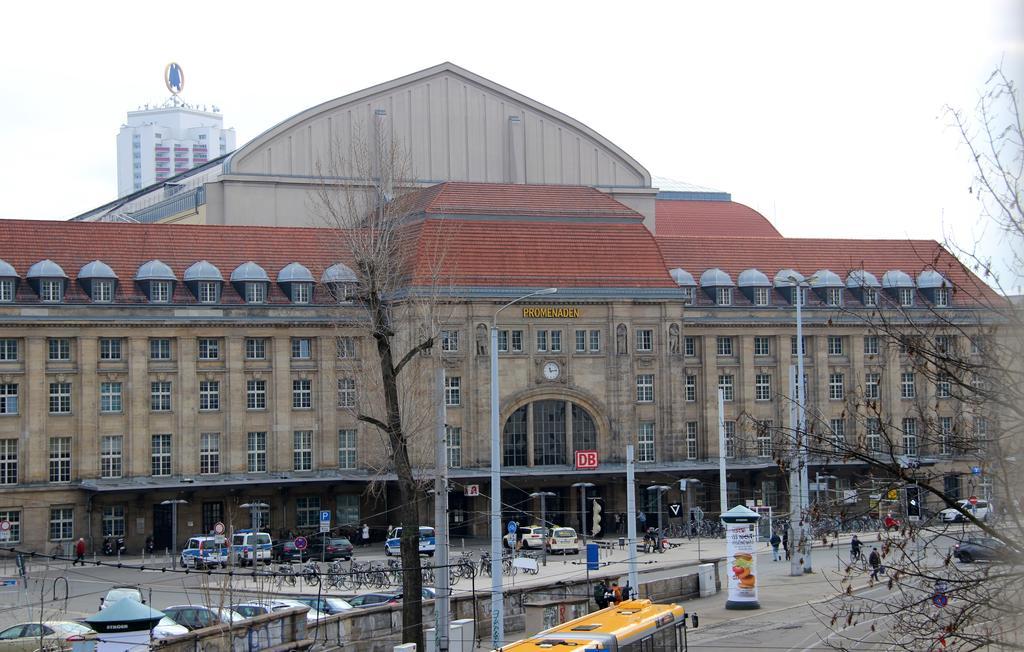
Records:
x=586, y=460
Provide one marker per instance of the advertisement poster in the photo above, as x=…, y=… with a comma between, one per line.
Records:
x=741, y=562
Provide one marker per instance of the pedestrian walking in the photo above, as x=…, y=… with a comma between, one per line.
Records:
x=642, y=519
x=79, y=552
x=775, y=541
x=366, y=535
x=601, y=594
x=875, y=561
x=785, y=543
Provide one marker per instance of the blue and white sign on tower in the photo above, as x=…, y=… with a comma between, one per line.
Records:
x=174, y=78
x=325, y=521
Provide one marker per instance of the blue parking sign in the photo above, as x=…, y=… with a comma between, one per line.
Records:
x=512, y=527
x=325, y=516
x=976, y=470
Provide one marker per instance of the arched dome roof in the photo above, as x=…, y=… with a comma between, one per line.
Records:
x=294, y=273
x=249, y=271
x=753, y=277
x=46, y=269
x=715, y=277
x=782, y=279
x=826, y=278
x=895, y=278
x=862, y=279
x=7, y=270
x=203, y=271
x=338, y=273
x=929, y=279
x=154, y=270
x=682, y=277
x=96, y=269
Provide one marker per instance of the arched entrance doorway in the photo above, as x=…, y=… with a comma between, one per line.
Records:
x=547, y=433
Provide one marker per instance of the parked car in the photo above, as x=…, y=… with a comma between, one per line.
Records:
x=166, y=628
x=122, y=591
x=251, y=609
x=980, y=549
x=197, y=616
x=328, y=605
x=329, y=548
x=980, y=511
x=374, y=600
x=312, y=616
x=428, y=541
x=58, y=634
x=284, y=551
x=204, y=552
x=532, y=536
x=259, y=607
x=249, y=547
x=563, y=540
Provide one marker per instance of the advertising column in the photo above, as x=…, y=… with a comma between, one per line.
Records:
x=741, y=557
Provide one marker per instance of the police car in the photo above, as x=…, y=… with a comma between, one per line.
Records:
x=428, y=542
x=250, y=546
x=203, y=552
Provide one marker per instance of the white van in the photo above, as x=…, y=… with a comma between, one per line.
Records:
x=249, y=547
x=428, y=542
x=978, y=511
x=201, y=552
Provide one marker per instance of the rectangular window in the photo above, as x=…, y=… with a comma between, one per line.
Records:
x=301, y=292
x=209, y=453
x=907, y=388
x=871, y=381
x=645, y=388
x=806, y=342
x=645, y=442
x=690, y=389
x=209, y=395
x=764, y=438
x=595, y=341
x=945, y=435
x=687, y=294
x=256, y=452
x=453, y=390
x=346, y=449
x=943, y=388
x=208, y=291
x=302, y=348
x=834, y=296
x=502, y=341
x=51, y=291
x=910, y=436
x=873, y=429
x=60, y=459
x=110, y=348
x=838, y=434
x=763, y=387
x=113, y=520
x=160, y=455
x=644, y=339
x=870, y=345
x=906, y=296
x=160, y=396
x=59, y=349
x=450, y=341
x=60, y=398
x=941, y=297
x=691, y=440
x=724, y=345
x=581, y=341
x=981, y=433
x=303, y=450
x=870, y=297
x=13, y=517
x=725, y=384
x=255, y=292
x=110, y=397
x=723, y=296
x=159, y=291
x=307, y=511
x=762, y=296
x=255, y=348
x=256, y=394
x=209, y=348
x=62, y=523
x=8, y=349
x=762, y=346
x=302, y=394
x=159, y=349
x=8, y=398
x=942, y=343
x=111, y=450
x=346, y=346
x=8, y=461
x=6, y=290
x=730, y=438
x=690, y=346
x=517, y=341
x=542, y=341
x=836, y=387
x=556, y=341
x=346, y=393
x=453, y=441
x=835, y=345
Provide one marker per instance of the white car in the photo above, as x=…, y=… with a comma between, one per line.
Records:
x=119, y=592
x=979, y=510
x=166, y=628
x=532, y=536
x=563, y=540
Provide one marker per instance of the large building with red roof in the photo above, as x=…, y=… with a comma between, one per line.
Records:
x=203, y=339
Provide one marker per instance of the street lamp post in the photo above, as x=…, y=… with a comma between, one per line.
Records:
x=497, y=598
x=583, y=486
x=543, y=495
x=174, y=525
x=801, y=430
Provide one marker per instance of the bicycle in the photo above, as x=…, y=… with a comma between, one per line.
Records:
x=311, y=573
x=285, y=575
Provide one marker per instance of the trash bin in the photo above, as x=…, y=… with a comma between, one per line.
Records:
x=622, y=542
x=706, y=580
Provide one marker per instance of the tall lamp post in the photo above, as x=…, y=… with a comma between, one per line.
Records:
x=583, y=486
x=174, y=525
x=543, y=495
x=497, y=598
x=801, y=428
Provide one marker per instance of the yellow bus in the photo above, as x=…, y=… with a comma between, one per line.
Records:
x=630, y=626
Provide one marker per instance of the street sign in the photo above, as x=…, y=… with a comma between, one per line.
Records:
x=976, y=470
x=5, y=530
x=973, y=500
x=675, y=509
x=218, y=528
x=512, y=527
x=472, y=490
x=325, y=521
x=301, y=543
x=940, y=600
x=893, y=494
x=586, y=460
x=593, y=562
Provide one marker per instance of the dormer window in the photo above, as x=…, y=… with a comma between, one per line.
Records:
x=47, y=279
x=762, y=296
x=159, y=291
x=723, y=296
x=341, y=281
x=870, y=297
x=802, y=296
x=203, y=279
x=157, y=281
x=941, y=297
x=255, y=292
x=906, y=296
x=302, y=292
x=687, y=296
x=251, y=282
x=834, y=296
x=102, y=291
x=51, y=290
x=6, y=290
x=208, y=291
x=934, y=287
x=98, y=280
x=296, y=282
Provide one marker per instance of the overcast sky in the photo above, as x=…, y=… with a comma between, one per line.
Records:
x=825, y=116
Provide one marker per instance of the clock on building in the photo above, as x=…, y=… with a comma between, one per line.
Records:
x=551, y=370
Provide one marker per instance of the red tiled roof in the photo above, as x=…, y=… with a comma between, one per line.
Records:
x=465, y=198
x=711, y=218
x=808, y=255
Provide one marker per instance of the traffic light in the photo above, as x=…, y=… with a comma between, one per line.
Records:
x=913, y=493
x=596, y=519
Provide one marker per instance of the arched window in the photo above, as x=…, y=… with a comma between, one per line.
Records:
x=547, y=423
x=548, y=433
x=584, y=432
x=515, y=438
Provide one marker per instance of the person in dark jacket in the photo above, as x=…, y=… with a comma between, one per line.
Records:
x=785, y=543
x=875, y=561
x=601, y=594
x=775, y=541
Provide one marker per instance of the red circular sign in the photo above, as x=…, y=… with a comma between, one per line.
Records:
x=301, y=543
x=5, y=525
x=218, y=528
x=973, y=500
